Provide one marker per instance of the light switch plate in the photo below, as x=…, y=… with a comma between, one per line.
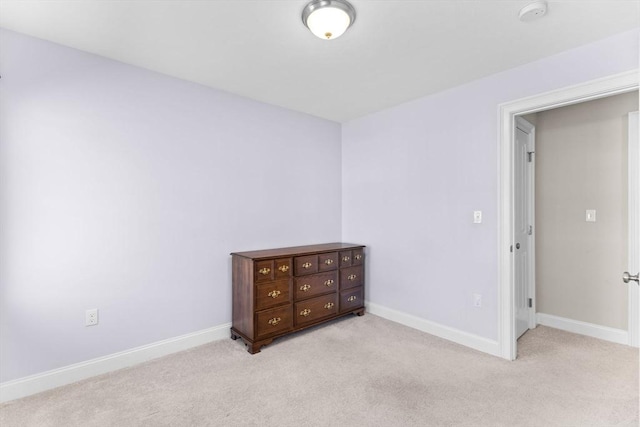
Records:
x=591, y=215
x=477, y=300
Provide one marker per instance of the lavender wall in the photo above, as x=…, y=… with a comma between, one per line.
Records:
x=413, y=175
x=125, y=190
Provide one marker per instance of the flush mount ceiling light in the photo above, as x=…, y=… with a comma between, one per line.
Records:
x=328, y=19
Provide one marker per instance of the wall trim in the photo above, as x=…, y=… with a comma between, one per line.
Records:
x=606, y=333
x=37, y=383
x=466, y=339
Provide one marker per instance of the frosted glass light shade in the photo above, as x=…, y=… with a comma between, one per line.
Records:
x=328, y=19
x=329, y=23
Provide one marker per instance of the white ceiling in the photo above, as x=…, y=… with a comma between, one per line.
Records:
x=396, y=51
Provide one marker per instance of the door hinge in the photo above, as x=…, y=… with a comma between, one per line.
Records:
x=530, y=156
x=530, y=230
x=511, y=249
x=530, y=302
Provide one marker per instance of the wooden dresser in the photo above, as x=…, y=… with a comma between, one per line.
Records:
x=279, y=291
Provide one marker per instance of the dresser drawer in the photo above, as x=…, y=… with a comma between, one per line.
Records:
x=283, y=268
x=351, y=277
x=272, y=294
x=345, y=259
x=264, y=271
x=316, y=284
x=273, y=321
x=327, y=262
x=306, y=264
x=353, y=298
x=358, y=256
x=316, y=308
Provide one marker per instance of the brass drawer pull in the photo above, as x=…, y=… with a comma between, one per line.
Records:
x=307, y=265
x=274, y=294
x=328, y=261
x=283, y=268
x=352, y=298
x=345, y=259
x=274, y=321
x=305, y=288
x=329, y=305
x=305, y=312
x=352, y=277
x=358, y=257
x=328, y=282
x=264, y=271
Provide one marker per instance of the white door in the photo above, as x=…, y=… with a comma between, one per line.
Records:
x=634, y=227
x=523, y=222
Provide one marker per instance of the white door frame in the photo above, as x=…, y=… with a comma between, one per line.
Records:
x=633, y=264
x=600, y=88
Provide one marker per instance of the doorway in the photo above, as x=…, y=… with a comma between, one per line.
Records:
x=580, y=170
x=601, y=88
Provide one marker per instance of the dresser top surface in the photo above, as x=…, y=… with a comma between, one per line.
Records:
x=298, y=250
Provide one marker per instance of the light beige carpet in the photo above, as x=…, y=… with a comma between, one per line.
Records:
x=356, y=371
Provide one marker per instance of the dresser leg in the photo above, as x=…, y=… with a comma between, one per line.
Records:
x=360, y=312
x=255, y=347
x=234, y=336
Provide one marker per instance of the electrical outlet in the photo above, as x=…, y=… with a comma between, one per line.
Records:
x=91, y=317
x=477, y=217
x=477, y=300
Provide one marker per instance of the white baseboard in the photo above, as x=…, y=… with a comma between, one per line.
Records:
x=583, y=328
x=476, y=342
x=37, y=383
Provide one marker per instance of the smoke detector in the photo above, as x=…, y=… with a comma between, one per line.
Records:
x=533, y=11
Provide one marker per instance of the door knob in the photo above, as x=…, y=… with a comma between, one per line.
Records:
x=626, y=277
x=517, y=245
